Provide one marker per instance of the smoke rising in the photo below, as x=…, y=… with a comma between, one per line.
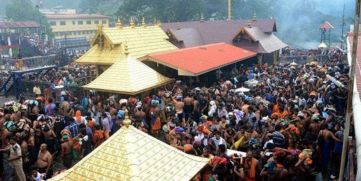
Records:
x=298, y=21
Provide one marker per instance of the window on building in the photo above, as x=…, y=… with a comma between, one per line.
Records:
x=104, y=22
x=80, y=22
x=96, y=22
x=52, y=23
x=74, y=22
x=62, y=23
x=88, y=22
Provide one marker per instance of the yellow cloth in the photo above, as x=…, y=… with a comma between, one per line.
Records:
x=238, y=142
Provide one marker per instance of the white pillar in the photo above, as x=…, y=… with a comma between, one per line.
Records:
x=10, y=49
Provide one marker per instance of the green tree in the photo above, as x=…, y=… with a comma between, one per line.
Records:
x=244, y=9
x=60, y=3
x=105, y=7
x=24, y=10
x=89, y=6
x=164, y=10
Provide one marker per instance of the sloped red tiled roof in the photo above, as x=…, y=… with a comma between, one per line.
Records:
x=19, y=24
x=202, y=59
x=326, y=25
x=208, y=32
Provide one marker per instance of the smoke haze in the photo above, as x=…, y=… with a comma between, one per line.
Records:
x=298, y=20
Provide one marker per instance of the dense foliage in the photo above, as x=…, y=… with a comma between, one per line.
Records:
x=297, y=21
x=24, y=10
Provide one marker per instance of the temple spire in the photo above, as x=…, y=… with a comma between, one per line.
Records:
x=100, y=27
x=131, y=22
x=249, y=24
x=158, y=23
x=119, y=23
x=127, y=122
x=143, y=22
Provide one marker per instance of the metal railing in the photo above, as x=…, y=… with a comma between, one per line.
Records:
x=27, y=63
x=301, y=59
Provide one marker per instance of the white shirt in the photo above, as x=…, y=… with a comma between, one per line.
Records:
x=15, y=151
x=36, y=90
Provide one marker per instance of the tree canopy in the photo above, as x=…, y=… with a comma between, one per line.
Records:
x=24, y=10
x=164, y=10
x=297, y=21
x=105, y=7
x=186, y=10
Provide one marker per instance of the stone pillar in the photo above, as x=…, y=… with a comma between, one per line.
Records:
x=260, y=59
x=276, y=57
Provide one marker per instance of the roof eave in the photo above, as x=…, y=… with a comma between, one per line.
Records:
x=128, y=92
x=93, y=63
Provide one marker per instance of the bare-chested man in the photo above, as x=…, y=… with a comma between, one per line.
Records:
x=45, y=160
x=179, y=105
x=139, y=114
x=66, y=148
x=188, y=106
x=325, y=141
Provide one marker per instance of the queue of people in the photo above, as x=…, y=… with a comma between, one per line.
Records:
x=286, y=125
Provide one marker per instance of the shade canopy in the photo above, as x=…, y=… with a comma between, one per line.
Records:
x=133, y=155
x=128, y=76
x=326, y=25
x=108, y=44
x=322, y=45
x=241, y=89
x=202, y=59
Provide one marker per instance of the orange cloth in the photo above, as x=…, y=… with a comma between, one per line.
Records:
x=132, y=101
x=219, y=160
x=276, y=115
x=204, y=129
x=98, y=138
x=275, y=108
x=294, y=129
x=279, y=166
x=156, y=126
x=187, y=148
x=252, y=171
x=284, y=114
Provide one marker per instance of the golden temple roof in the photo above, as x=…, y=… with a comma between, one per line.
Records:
x=141, y=40
x=133, y=155
x=128, y=76
x=99, y=56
